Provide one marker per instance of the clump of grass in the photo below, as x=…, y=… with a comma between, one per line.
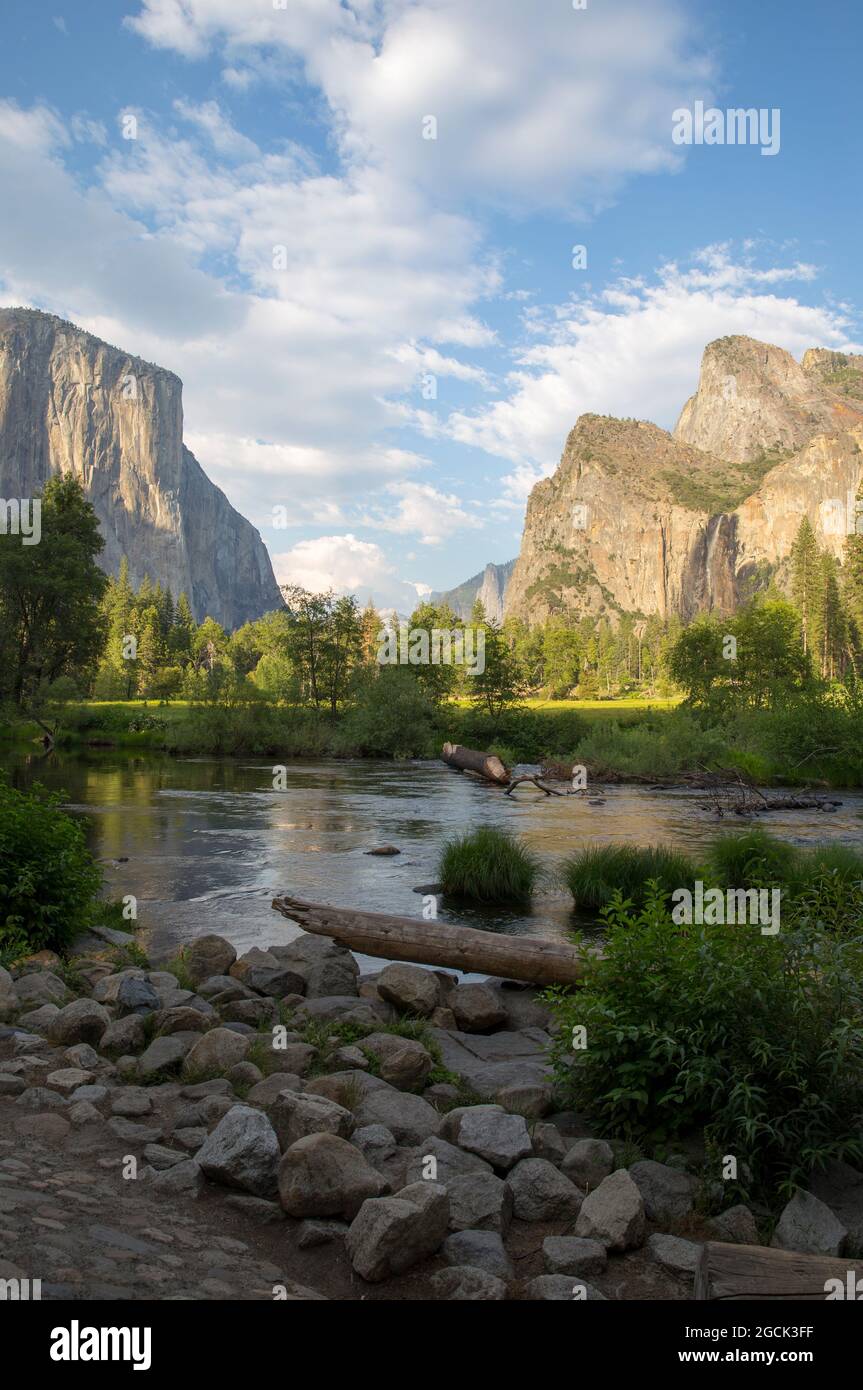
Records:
x=597, y=872
x=177, y=967
x=488, y=866
x=752, y=859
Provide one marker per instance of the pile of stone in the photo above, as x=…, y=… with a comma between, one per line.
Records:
x=358, y=1144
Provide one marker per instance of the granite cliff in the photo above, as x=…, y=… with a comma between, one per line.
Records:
x=489, y=586
x=70, y=403
x=639, y=520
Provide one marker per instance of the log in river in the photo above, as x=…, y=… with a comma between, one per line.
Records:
x=433, y=943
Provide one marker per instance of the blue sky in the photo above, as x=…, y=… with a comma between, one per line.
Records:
x=281, y=235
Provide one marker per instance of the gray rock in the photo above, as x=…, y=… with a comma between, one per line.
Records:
x=124, y=1035
x=532, y=1100
x=487, y=1130
x=342, y=1009
x=737, y=1225
x=137, y=997
x=294, y=1115
x=588, y=1163
x=39, y=1020
x=207, y=956
x=613, y=1213
x=809, y=1226
x=130, y=1133
x=540, y=1192
x=668, y=1194
x=256, y=1209
x=490, y=1062
x=477, y=1008
x=11, y=1085
x=392, y=1234
x=215, y=1053
x=481, y=1250
x=81, y=1021
x=264, y=1092
x=562, y=1288
x=182, y=1019
x=326, y=968
x=449, y=1162
x=163, y=1055
x=548, y=1143
x=132, y=1102
x=82, y=1112
x=465, y=1284
x=676, y=1256
x=410, y=988
x=479, y=1202
x=40, y=987
x=262, y=972
x=375, y=1143
x=184, y=1179
x=404, y=1063
x=840, y=1187
x=67, y=1080
x=313, y=1233
x=409, y=1118
x=98, y=1096
x=242, y=1152
x=84, y=1056
x=324, y=1175
x=38, y=1098
x=106, y=989
x=574, y=1256
x=160, y=1157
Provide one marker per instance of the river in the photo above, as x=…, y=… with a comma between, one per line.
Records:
x=204, y=844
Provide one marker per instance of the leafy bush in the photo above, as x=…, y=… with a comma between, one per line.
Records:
x=758, y=1040
x=393, y=716
x=660, y=745
x=49, y=881
x=488, y=866
x=597, y=872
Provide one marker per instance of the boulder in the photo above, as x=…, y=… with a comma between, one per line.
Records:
x=449, y=1162
x=676, y=1256
x=40, y=987
x=404, y=1063
x=465, y=1284
x=481, y=1250
x=477, y=1008
x=588, y=1163
x=184, y=1179
x=81, y=1021
x=207, y=956
x=479, y=1202
x=736, y=1226
x=540, y=1192
x=263, y=1093
x=67, y=1080
x=215, y=1052
x=409, y=1118
x=574, y=1256
x=182, y=1019
x=242, y=1152
x=294, y=1115
x=137, y=997
x=124, y=1036
x=487, y=1130
x=324, y=1175
x=667, y=1193
x=263, y=972
x=613, y=1213
x=163, y=1055
x=809, y=1226
x=532, y=1099
x=325, y=967
x=375, y=1143
x=392, y=1234
x=410, y=988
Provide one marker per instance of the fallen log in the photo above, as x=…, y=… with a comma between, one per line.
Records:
x=534, y=781
x=434, y=943
x=742, y=1273
x=487, y=765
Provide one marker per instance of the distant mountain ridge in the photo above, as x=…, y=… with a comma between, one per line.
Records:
x=489, y=586
x=70, y=403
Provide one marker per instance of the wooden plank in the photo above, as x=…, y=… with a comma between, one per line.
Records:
x=434, y=943
x=744, y=1273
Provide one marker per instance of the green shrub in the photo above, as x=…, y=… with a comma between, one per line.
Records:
x=488, y=866
x=597, y=872
x=758, y=1040
x=49, y=881
x=752, y=859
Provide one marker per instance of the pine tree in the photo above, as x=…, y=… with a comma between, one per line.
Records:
x=806, y=581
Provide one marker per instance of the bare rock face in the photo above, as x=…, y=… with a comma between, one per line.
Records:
x=637, y=520
x=70, y=403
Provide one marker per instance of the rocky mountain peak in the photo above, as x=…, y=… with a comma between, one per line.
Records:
x=71, y=403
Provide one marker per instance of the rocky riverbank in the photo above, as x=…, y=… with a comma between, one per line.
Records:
x=279, y=1126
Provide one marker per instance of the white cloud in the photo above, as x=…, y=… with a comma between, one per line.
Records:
x=554, y=113
x=343, y=563
x=425, y=512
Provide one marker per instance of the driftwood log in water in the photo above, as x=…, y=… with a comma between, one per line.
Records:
x=740, y=1273
x=486, y=765
x=535, y=782
x=434, y=943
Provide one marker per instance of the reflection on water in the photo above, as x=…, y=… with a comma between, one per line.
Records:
x=208, y=843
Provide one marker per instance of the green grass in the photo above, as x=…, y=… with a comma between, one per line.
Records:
x=488, y=866
x=598, y=871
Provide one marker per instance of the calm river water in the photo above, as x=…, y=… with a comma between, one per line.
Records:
x=207, y=842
